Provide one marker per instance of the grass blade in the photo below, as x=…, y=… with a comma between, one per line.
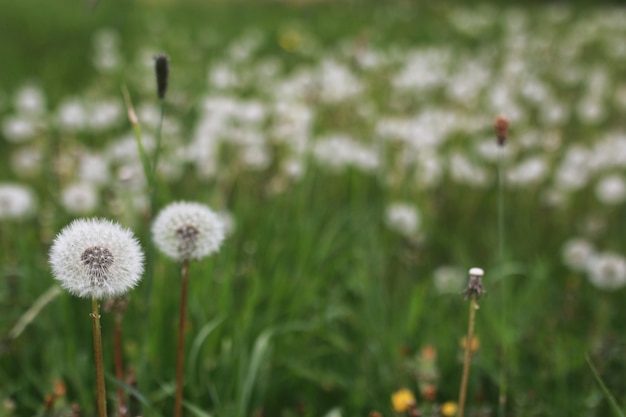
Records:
x=605, y=390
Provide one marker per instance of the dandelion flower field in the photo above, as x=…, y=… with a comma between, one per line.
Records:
x=350, y=155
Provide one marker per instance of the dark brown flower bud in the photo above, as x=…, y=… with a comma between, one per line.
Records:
x=162, y=69
x=501, y=126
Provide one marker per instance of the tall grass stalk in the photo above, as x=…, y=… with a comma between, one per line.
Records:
x=501, y=129
x=97, y=347
x=178, y=410
x=503, y=288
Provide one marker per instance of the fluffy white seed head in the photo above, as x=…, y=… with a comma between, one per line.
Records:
x=403, y=218
x=576, y=253
x=187, y=230
x=96, y=258
x=607, y=271
x=16, y=201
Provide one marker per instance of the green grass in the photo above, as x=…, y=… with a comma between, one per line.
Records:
x=313, y=302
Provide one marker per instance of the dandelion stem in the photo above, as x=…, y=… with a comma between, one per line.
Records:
x=119, y=365
x=181, y=341
x=503, y=293
x=468, y=353
x=97, y=347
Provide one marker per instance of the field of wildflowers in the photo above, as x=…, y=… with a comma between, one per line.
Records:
x=339, y=165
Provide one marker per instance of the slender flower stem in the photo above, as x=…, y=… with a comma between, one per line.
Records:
x=119, y=365
x=468, y=355
x=97, y=347
x=181, y=341
x=503, y=292
x=157, y=151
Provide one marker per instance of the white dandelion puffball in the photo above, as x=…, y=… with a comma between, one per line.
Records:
x=16, y=201
x=607, y=271
x=96, y=258
x=186, y=230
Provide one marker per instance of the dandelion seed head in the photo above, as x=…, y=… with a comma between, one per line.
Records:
x=576, y=253
x=187, y=230
x=474, y=287
x=96, y=258
x=448, y=279
x=16, y=201
x=403, y=218
x=607, y=271
x=18, y=129
x=80, y=198
x=611, y=190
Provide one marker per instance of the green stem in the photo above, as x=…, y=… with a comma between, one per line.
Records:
x=468, y=356
x=97, y=347
x=157, y=151
x=503, y=293
x=178, y=410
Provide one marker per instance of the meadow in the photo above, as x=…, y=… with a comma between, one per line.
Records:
x=350, y=151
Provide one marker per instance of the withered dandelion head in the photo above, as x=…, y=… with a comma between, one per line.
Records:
x=474, y=287
x=186, y=230
x=96, y=258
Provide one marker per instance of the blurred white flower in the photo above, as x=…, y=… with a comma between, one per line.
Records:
x=337, y=83
x=449, y=279
x=93, y=168
x=72, y=115
x=339, y=152
x=16, y=201
x=96, y=258
x=18, y=129
x=464, y=171
x=26, y=161
x=403, y=218
x=80, y=198
x=528, y=172
x=490, y=151
x=576, y=253
x=611, y=189
x=30, y=100
x=607, y=271
x=104, y=114
x=187, y=230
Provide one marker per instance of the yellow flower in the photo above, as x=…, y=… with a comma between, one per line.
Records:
x=448, y=409
x=290, y=40
x=402, y=400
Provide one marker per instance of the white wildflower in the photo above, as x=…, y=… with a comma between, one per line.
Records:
x=449, y=279
x=96, y=258
x=576, y=253
x=607, y=271
x=611, y=189
x=16, y=201
x=187, y=230
x=403, y=218
x=79, y=198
